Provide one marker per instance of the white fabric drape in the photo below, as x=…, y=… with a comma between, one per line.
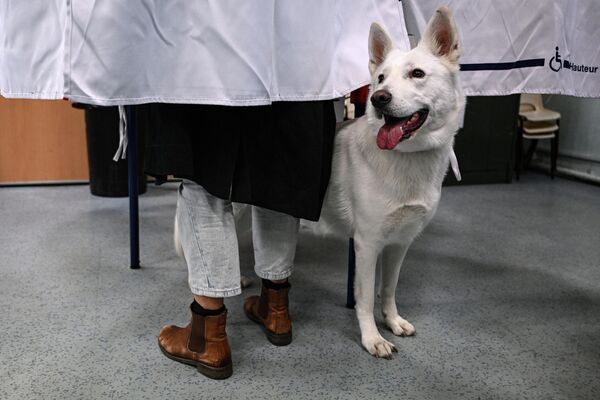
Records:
x=32, y=48
x=513, y=33
x=231, y=52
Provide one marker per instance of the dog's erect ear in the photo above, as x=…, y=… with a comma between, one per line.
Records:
x=441, y=35
x=380, y=45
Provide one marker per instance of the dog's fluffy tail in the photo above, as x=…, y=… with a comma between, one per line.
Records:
x=176, y=241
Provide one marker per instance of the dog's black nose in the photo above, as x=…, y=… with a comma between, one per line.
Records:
x=380, y=98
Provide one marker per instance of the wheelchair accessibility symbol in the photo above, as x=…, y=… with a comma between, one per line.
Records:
x=555, y=62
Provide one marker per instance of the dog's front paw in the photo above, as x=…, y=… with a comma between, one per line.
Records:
x=400, y=326
x=377, y=346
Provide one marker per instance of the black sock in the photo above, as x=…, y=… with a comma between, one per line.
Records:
x=199, y=310
x=275, y=286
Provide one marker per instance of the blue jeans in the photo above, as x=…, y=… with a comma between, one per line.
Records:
x=208, y=238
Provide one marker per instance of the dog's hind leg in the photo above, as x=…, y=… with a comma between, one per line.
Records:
x=393, y=256
x=364, y=289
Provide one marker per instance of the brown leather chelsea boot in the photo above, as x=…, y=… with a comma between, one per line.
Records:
x=270, y=310
x=202, y=343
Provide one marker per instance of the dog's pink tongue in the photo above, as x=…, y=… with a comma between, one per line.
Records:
x=389, y=136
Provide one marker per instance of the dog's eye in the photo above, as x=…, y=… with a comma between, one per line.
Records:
x=380, y=78
x=417, y=73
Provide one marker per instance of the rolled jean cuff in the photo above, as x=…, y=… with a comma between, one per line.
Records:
x=216, y=292
x=275, y=275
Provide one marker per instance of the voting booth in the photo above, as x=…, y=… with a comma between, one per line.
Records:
x=135, y=52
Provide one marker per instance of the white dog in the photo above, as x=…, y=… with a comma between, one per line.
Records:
x=388, y=166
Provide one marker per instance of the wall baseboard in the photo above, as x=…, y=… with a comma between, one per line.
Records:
x=567, y=166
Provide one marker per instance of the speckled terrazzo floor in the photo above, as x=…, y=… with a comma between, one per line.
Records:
x=503, y=288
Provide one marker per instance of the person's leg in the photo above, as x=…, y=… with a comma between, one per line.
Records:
x=275, y=236
x=209, y=242
x=206, y=232
x=209, y=303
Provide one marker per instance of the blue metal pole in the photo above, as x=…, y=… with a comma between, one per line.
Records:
x=350, y=301
x=132, y=175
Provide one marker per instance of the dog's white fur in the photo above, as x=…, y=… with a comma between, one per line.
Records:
x=384, y=198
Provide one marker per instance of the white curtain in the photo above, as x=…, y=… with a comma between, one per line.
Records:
x=228, y=52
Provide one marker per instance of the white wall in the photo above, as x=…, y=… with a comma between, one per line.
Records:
x=579, y=144
x=579, y=126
